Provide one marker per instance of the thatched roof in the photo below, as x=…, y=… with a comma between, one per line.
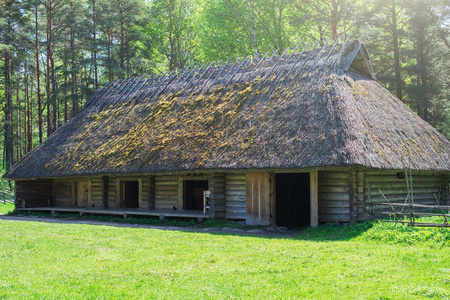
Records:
x=317, y=108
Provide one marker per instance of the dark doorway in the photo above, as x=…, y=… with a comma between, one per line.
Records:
x=130, y=194
x=193, y=194
x=292, y=199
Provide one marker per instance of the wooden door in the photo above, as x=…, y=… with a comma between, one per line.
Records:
x=82, y=193
x=257, y=194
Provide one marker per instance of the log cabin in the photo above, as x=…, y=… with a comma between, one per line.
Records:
x=291, y=140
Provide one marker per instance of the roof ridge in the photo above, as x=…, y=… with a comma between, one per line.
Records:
x=193, y=80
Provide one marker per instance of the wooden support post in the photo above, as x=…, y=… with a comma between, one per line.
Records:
x=217, y=196
x=351, y=195
x=272, y=191
x=105, y=191
x=151, y=192
x=314, y=197
x=89, y=192
x=140, y=193
x=74, y=192
x=445, y=190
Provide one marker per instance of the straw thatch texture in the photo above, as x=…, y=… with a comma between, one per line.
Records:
x=327, y=111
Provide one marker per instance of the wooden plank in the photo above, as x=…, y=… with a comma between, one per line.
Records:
x=333, y=197
x=258, y=200
x=250, y=218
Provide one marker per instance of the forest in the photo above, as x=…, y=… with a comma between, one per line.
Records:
x=55, y=53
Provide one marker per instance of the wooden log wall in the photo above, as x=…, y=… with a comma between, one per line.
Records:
x=425, y=185
x=96, y=192
x=235, y=196
x=217, y=196
x=112, y=193
x=33, y=193
x=334, y=196
x=62, y=193
x=144, y=204
x=166, y=192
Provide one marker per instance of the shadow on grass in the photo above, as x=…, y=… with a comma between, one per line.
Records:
x=329, y=232
x=334, y=232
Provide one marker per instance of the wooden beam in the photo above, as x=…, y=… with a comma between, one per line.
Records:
x=140, y=192
x=73, y=192
x=151, y=192
x=273, y=210
x=105, y=191
x=351, y=195
x=314, y=197
x=89, y=192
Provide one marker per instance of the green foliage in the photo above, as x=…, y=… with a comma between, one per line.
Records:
x=409, y=235
x=383, y=232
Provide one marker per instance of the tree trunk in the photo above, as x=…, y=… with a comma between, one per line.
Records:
x=8, y=143
x=38, y=77
x=398, y=78
x=49, y=72
x=94, y=35
x=75, y=107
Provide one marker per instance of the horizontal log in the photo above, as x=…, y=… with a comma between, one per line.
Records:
x=218, y=183
x=166, y=188
x=419, y=224
x=235, y=177
x=37, y=188
x=333, y=203
x=172, y=193
x=236, y=188
x=333, y=210
x=61, y=193
x=231, y=216
x=235, y=210
x=381, y=179
x=166, y=178
x=402, y=185
x=164, y=205
x=219, y=202
x=235, y=193
x=62, y=199
x=235, y=203
x=174, y=200
x=333, y=189
x=418, y=205
x=333, y=197
x=334, y=218
x=332, y=175
x=415, y=214
x=338, y=182
x=404, y=191
x=235, y=197
x=159, y=183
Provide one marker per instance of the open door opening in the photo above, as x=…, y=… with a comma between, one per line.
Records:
x=130, y=194
x=193, y=194
x=292, y=199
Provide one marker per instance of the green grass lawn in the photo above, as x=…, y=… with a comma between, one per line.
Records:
x=364, y=261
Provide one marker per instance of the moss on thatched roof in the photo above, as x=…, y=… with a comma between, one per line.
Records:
x=319, y=108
